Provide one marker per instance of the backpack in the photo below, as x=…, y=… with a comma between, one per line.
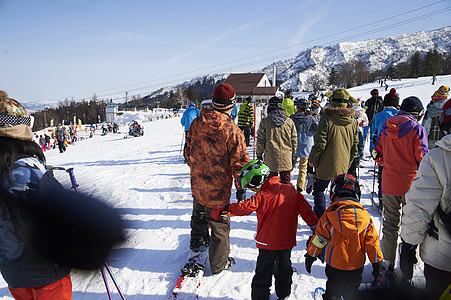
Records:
x=11, y=243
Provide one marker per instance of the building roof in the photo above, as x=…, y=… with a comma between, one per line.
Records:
x=248, y=84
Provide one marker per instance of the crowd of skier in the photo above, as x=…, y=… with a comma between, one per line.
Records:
x=414, y=194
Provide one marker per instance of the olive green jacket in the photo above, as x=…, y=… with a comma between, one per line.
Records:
x=335, y=142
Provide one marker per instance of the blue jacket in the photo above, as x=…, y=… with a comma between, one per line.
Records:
x=188, y=116
x=30, y=269
x=305, y=126
x=379, y=121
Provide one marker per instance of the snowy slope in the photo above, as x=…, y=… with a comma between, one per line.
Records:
x=146, y=181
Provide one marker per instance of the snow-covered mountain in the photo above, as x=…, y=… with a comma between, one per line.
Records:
x=377, y=54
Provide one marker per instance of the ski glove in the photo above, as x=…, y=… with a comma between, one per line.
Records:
x=218, y=211
x=309, y=262
x=240, y=195
x=377, y=273
x=407, y=259
x=310, y=182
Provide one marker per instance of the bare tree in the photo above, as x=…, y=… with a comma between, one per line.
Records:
x=315, y=83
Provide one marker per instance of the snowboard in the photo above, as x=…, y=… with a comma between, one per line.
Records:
x=191, y=275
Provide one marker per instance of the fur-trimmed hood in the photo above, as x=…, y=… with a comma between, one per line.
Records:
x=343, y=116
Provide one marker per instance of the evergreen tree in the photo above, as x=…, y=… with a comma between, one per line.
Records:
x=416, y=65
x=432, y=63
x=333, y=77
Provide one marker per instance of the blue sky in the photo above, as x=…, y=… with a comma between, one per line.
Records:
x=52, y=50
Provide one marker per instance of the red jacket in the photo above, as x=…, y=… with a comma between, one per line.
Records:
x=401, y=144
x=278, y=206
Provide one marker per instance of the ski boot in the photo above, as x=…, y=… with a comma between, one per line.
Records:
x=229, y=264
x=391, y=275
x=200, y=244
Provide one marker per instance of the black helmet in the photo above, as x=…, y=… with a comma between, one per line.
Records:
x=374, y=92
x=412, y=105
x=302, y=102
x=345, y=185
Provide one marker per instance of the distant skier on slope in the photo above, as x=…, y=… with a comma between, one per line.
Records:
x=277, y=206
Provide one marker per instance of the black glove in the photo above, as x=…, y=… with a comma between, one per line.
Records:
x=310, y=183
x=293, y=162
x=309, y=262
x=377, y=273
x=240, y=195
x=407, y=259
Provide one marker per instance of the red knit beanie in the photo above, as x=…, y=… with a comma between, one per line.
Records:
x=223, y=97
x=391, y=99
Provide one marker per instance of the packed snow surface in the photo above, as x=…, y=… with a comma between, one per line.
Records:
x=148, y=184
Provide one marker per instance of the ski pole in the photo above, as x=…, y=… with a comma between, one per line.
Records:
x=181, y=144
x=75, y=185
x=114, y=280
x=106, y=283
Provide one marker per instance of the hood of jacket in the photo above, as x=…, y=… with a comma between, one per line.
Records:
x=445, y=143
x=348, y=216
x=278, y=117
x=342, y=116
x=399, y=125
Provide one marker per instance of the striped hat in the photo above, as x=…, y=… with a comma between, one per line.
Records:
x=441, y=94
x=223, y=97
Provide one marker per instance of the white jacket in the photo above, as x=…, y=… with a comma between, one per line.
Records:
x=431, y=187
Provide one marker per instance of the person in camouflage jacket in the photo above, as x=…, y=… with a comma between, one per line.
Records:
x=216, y=153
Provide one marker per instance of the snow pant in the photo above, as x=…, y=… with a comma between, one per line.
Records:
x=43, y=147
x=59, y=290
x=247, y=134
x=319, y=199
x=303, y=162
x=219, y=248
x=342, y=283
x=392, y=222
x=379, y=181
x=437, y=281
x=285, y=176
x=269, y=262
x=61, y=147
x=366, y=129
x=353, y=168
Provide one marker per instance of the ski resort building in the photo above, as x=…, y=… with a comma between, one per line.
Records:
x=111, y=111
x=254, y=85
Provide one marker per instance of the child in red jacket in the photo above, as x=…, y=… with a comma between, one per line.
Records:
x=278, y=206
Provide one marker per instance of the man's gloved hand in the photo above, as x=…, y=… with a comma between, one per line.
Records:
x=310, y=182
x=407, y=259
x=309, y=262
x=220, y=210
x=240, y=195
x=377, y=273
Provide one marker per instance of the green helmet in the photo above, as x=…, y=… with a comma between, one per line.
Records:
x=254, y=174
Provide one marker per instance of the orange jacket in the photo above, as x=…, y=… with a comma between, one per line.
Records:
x=278, y=206
x=215, y=152
x=347, y=232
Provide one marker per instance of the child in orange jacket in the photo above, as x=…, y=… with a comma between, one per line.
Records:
x=278, y=206
x=347, y=233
